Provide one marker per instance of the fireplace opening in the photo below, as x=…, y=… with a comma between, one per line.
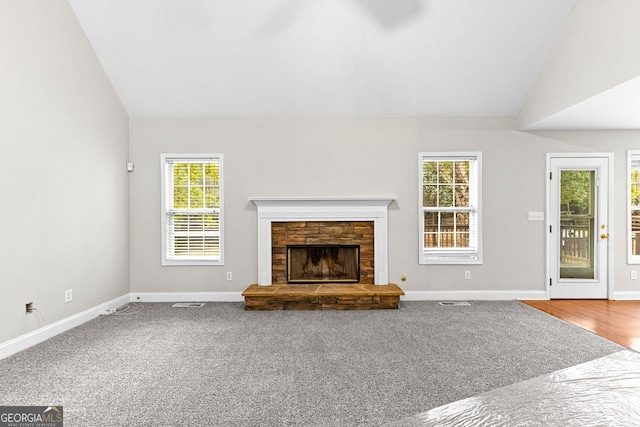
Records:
x=323, y=263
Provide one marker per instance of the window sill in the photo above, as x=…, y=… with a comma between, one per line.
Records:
x=187, y=263
x=450, y=261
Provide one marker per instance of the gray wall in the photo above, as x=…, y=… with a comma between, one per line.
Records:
x=64, y=188
x=365, y=157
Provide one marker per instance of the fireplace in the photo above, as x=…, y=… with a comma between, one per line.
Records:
x=340, y=242
x=323, y=264
x=284, y=223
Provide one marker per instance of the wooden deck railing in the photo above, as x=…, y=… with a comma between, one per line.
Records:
x=635, y=235
x=575, y=244
x=447, y=236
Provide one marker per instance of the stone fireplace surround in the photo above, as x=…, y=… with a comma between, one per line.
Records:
x=376, y=294
x=318, y=233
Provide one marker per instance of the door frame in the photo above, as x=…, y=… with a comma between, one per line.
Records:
x=610, y=243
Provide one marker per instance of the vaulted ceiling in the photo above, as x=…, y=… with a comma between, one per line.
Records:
x=330, y=58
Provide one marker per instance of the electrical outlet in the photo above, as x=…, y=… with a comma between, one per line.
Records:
x=634, y=274
x=68, y=295
x=229, y=275
x=29, y=307
x=467, y=274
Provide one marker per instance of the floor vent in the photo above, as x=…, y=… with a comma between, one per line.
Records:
x=188, y=304
x=456, y=303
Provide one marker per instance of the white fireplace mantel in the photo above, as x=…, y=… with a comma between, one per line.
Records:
x=282, y=209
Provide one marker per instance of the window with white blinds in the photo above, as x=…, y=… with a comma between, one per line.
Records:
x=192, y=220
x=633, y=206
x=449, y=208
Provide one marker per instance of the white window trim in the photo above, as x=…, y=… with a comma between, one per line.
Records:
x=164, y=157
x=451, y=255
x=631, y=156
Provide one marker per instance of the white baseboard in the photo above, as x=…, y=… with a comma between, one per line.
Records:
x=25, y=341
x=472, y=295
x=186, y=296
x=626, y=295
x=494, y=295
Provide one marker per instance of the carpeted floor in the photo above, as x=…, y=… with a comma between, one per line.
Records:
x=221, y=366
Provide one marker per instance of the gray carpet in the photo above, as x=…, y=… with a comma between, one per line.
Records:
x=221, y=366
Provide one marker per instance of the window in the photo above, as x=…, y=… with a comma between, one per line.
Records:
x=192, y=220
x=633, y=206
x=449, y=211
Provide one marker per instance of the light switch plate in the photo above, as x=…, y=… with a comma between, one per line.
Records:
x=536, y=216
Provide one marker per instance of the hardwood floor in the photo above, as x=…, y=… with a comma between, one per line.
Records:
x=618, y=321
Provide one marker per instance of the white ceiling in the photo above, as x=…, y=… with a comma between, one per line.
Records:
x=299, y=58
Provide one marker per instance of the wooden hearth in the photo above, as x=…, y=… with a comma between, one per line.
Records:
x=322, y=297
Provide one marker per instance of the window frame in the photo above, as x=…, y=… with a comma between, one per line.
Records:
x=164, y=196
x=454, y=255
x=633, y=156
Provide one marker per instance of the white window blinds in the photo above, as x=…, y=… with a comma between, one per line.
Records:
x=192, y=205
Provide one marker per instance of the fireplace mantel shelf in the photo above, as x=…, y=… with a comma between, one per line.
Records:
x=336, y=201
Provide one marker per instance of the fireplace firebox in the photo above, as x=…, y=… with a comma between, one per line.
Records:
x=323, y=264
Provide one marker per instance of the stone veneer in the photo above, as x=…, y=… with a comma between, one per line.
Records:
x=322, y=233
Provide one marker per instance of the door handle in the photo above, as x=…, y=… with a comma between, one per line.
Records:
x=604, y=236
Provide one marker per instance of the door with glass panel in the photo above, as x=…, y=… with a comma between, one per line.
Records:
x=578, y=230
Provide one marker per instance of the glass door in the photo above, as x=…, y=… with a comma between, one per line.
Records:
x=578, y=230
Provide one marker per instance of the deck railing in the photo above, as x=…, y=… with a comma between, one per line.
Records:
x=575, y=244
x=635, y=235
x=447, y=235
